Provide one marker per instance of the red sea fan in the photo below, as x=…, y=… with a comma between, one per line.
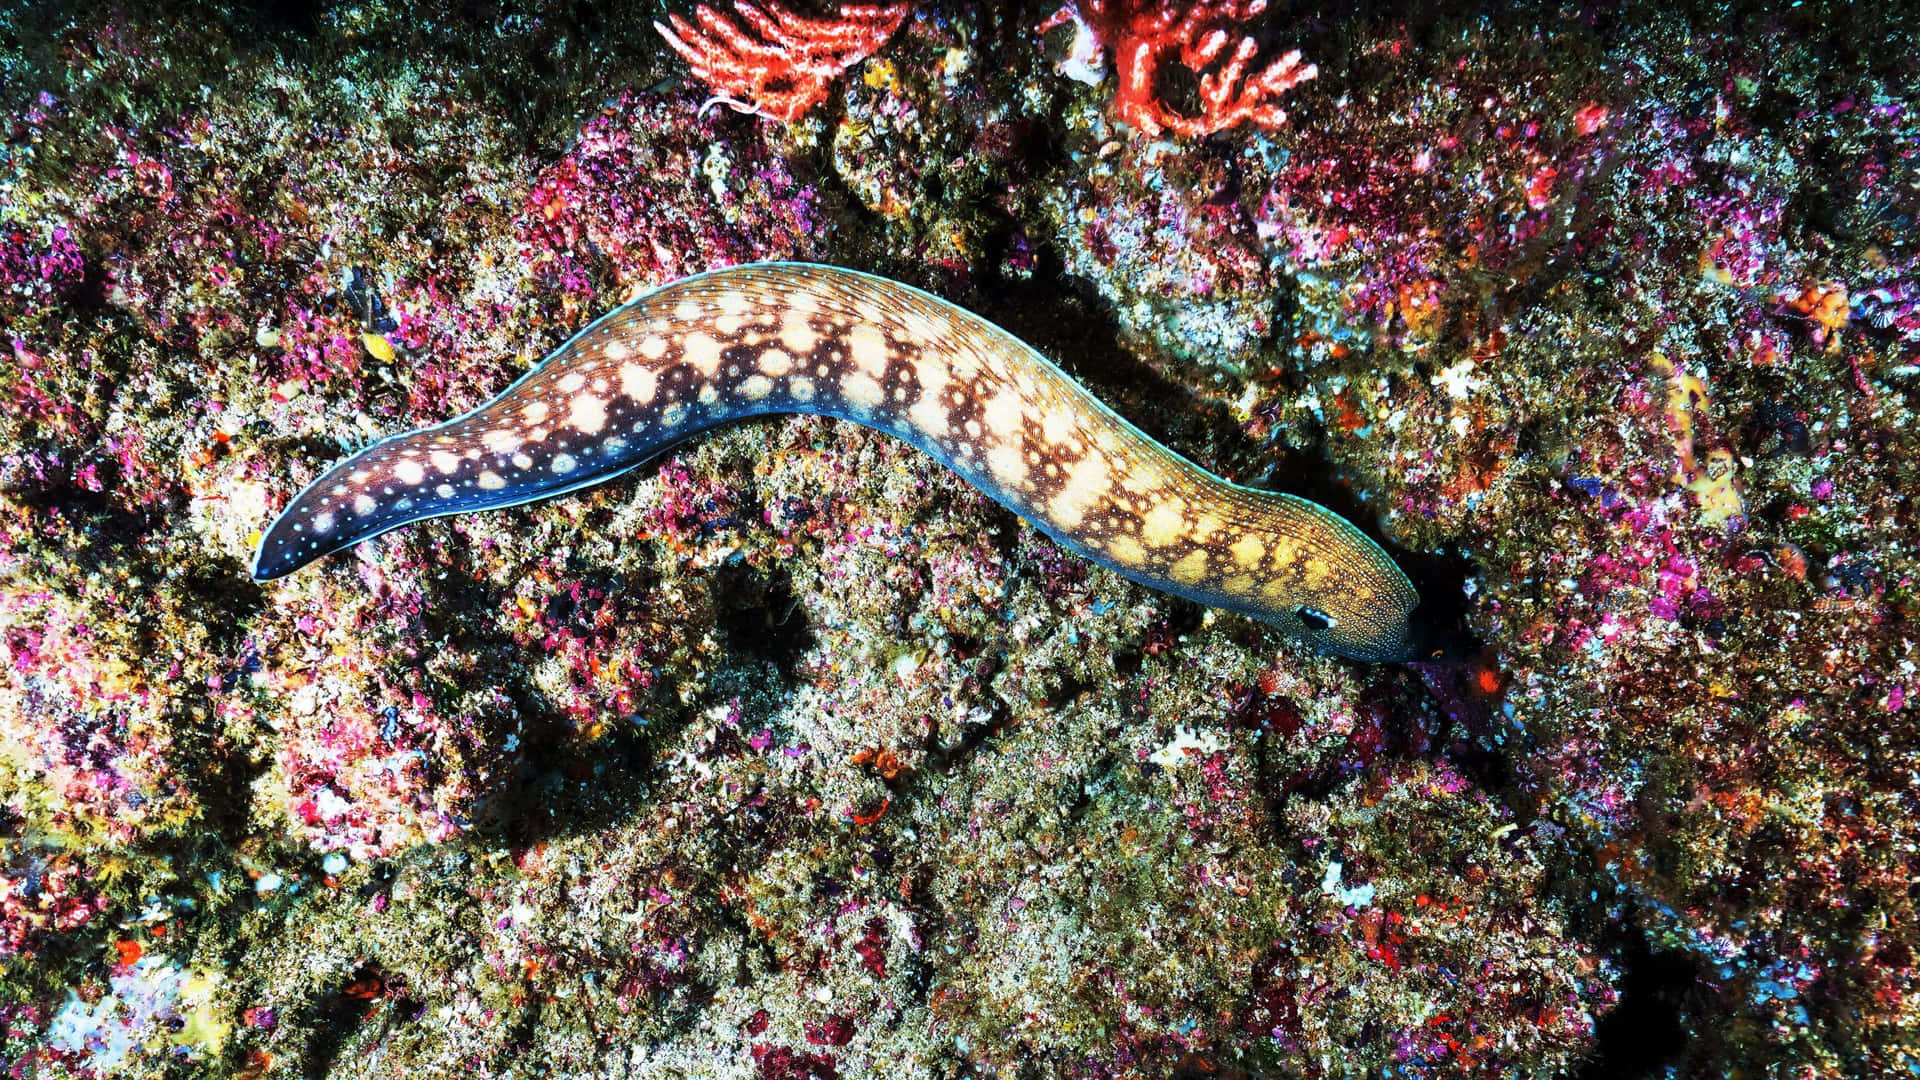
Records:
x=769, y=59
x=1205, y=37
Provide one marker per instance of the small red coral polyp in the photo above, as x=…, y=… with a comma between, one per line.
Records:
x=1143, y=34
x=771, y=60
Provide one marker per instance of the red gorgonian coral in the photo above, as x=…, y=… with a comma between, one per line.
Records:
x=769, y=59
x=1142, y=35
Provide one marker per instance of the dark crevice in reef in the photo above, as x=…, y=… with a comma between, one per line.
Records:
x=1071, y=324
x=1488, y=767
x=299, y=19
x=562, y=787
x=228, y=600
x=555, y=786
x=1646, y=1034
x=759, y=616
x=340, y=1015
x=1068, y=691
x=109, y=522
x=1080, y=801
x=518, y=1043
x=227, y=788
x=765, y=629
x=1438, y=627
x=943, y=758
x=89, y=295
x=454, y=592
x=1651, y=1031
x=1463, y=719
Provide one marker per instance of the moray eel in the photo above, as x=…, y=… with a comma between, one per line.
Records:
x=792, y=337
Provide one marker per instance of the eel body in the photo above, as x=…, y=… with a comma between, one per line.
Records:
x=792, y=337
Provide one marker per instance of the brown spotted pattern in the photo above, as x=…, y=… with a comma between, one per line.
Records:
x=788, y=337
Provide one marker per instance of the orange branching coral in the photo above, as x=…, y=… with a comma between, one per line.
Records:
x=769, y=59
x=1205, y=37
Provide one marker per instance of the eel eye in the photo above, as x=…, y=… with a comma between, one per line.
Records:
x=1314, y=618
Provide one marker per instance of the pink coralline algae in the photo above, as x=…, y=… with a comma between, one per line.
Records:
x=34, y=268
x=373, y=754
x=1398, y=219
x=603, y=643
x=772, y=60
x=83, y=730
x=355, y=785
x=650, y=192
x=43, y=895
x=1205, y=36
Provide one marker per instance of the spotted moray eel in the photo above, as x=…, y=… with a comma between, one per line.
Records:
x=794, y=337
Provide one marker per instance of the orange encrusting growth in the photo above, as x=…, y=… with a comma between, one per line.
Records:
x=789, y=337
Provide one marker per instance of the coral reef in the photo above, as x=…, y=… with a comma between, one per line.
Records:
x=792, y=756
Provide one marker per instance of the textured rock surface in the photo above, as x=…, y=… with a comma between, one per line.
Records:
x=793, y=757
